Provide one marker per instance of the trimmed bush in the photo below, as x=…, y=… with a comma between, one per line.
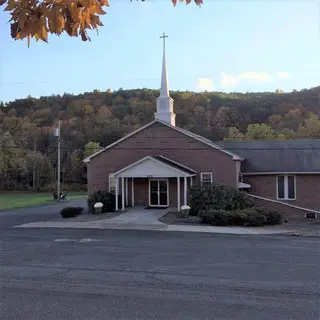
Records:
x=253, y=217
x=70, y=212
x=217, y=197
x=273, y=217
x=249, y=217
x=107, y=198
x=216, y=217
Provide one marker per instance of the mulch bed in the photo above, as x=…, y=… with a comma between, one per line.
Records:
x=175, y=218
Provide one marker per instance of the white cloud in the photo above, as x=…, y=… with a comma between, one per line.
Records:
x=284, y=75
x=228, y=79
x=258, y=76
x=232, y=80
x=205, y=84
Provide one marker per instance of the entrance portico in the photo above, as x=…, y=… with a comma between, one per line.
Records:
x=156, y=176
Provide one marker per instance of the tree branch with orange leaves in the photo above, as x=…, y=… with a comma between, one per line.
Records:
x=36, y=19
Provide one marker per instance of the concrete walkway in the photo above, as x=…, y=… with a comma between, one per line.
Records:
x=139, y=216
x=136, y=218
x=157, y=227
x=142, y=219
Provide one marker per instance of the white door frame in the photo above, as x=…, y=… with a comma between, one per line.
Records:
x=149, y=191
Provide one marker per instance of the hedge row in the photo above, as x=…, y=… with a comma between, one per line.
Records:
x=254, y=216
x=222, y=205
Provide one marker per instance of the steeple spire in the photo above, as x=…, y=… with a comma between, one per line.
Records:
x=164, y=90
x=164, y=101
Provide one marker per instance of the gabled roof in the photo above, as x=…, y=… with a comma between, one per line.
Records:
x=183, y=131
x=276, y=156
x=177, y=169
x=174, y=164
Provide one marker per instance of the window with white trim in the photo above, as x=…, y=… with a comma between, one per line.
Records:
x=112, y=182
x=206, y=177
x=286, y=187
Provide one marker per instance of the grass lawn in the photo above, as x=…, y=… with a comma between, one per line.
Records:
x=9, y=200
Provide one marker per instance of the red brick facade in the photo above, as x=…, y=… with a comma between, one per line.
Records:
x=307, y=191
x=159, y=139
x=286, y=211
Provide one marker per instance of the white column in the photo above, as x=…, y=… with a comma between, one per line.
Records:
x=191, y=181
x=132, y=193
x=185, y=191
x=127, y=201
x=178, y=192
x=117, y=193
x=122, y=192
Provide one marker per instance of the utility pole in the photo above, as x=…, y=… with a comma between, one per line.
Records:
x=34, y=165
x=57, y=134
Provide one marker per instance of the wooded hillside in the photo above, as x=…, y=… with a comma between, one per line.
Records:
x=28, y=147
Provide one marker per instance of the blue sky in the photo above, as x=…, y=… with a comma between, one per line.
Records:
x=224, y=45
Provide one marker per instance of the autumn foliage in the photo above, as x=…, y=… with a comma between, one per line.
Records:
x=96, y=119
x=36, y=19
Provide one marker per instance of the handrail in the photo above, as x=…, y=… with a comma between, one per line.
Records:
x=283, y=203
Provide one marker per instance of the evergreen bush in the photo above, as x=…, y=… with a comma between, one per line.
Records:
x=217, y=197
x=70, y=212
x=253, y=216
x=107, y=198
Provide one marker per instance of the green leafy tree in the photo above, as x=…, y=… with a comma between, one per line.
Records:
x=40, y=167
x=77, y=165
x=310, y=129
x=13, y=167
x=234, y=134
x=258, y=131
x=90, y=148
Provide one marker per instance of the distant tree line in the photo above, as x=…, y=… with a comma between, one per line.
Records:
x=28, y=148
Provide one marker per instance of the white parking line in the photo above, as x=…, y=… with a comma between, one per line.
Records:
x=76, y=240
x=89, y=240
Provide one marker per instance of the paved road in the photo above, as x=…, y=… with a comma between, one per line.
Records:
x=141, y=275
x=15, y=217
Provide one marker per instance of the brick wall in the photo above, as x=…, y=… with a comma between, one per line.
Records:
x=159, y=139
x=286, y=211
x=307, y=189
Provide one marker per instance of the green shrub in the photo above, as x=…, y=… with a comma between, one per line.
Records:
x=273, y=217
x=70, y=212
x=246, y=217
x=107, y=198
x=216, y=217
x=217, y=197
x=249, y=217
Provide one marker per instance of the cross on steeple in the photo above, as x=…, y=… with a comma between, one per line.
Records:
x=164, y=101
x=164, y=40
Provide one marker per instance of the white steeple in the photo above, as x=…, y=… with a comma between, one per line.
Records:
x=164, y=101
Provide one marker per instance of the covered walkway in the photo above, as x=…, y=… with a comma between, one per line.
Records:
x=157, y=172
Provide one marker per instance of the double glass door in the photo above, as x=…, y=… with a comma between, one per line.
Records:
x=158, y=193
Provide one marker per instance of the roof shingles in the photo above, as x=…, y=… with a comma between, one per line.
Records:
x=174, y=164
x=277, y=155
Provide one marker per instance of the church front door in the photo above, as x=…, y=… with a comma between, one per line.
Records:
x=158, y=193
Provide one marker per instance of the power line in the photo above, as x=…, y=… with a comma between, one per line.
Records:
x=161, y=137
x=165, y=149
